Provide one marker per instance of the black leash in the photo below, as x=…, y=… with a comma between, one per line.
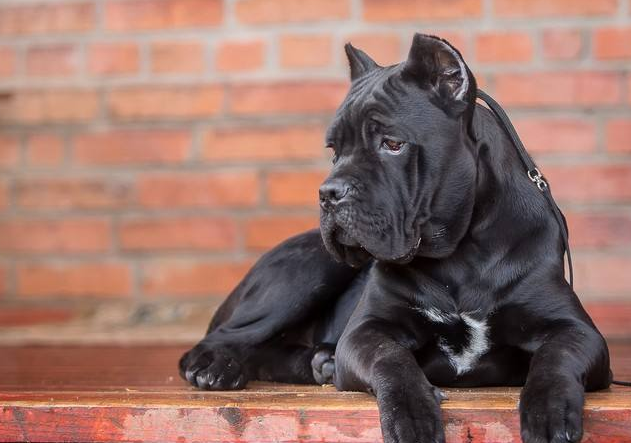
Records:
x=537, y=178
x=533, y=173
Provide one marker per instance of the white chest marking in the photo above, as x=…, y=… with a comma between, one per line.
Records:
x=438, y=316
x=478, y=345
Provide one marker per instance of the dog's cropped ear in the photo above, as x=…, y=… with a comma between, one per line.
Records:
x=437, y=66
x=360, y=63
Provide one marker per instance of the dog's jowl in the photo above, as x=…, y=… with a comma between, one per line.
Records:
x=438, y=263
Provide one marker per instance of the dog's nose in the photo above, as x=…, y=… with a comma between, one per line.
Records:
x=332, y=192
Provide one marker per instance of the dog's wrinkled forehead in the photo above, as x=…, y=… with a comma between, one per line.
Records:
x=373, y=93
x=379, y=90
x=433, y=80
x=384, y=96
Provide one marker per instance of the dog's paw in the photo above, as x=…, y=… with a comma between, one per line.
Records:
x=411, y=416
x=212, y=368
x=323, y=364
x=551, y=411
x=409, y=408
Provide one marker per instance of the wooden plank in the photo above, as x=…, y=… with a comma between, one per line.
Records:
x=234, y=424
x=113, y=394
x=260, y=396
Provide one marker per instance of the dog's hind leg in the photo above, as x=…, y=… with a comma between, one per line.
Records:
x=287, y=363
x=289, y=286
x=306, y=352
x=219, y=369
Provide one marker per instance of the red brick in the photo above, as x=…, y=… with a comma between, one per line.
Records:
x=559, y=88
x=557, y=134
x=409, y=10
x=44, y=150
x=612, y=43
x=30, y=316
x=74, y=280
x=162, y=14
x=46, y=18
x=268, y=143
x=7, y=62
x=4, y=194
x=384, y=48
x=501, y=47
x=9, y=151
x=233, y=56
x=599, y=229
x=482, y=80
x=267, y=231
x=70, y=235
x=603, y=275
x=192, y=278
x=305, y=50
x=132, y=147
x=71, y=193
x=619, y=135
x=113, y=58
x=192, y=233
x=561, y=8
x=48, y=106
x=287, y=98
x=284, y=11
x=590, y=183
x=221, y=189
x=294, y=188
x=562, y=44
x=177, y=57
x=4, y=313
x=52, y=61
x=166, y=102
x=611, y=317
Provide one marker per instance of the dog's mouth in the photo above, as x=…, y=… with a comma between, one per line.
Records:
x=355, y=247
x=345, y=248
x=344, y=239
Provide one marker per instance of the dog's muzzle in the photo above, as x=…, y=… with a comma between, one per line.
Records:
x=333, y=192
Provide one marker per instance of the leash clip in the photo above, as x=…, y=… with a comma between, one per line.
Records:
x=536, y=177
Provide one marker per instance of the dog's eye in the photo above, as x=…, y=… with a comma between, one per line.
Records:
x=392, y=145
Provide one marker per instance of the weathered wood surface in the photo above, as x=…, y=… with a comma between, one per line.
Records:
x=113, y=394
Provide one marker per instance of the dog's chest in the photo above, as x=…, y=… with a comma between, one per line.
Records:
x=463, y=337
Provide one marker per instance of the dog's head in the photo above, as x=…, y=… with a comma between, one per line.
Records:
x=402, y=183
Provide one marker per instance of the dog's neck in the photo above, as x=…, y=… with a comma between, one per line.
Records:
x=502, y=183
x=508, y=205
x=512, y=229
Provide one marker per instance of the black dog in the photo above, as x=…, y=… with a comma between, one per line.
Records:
x=438, y=262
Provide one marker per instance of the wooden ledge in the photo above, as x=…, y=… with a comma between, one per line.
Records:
x=113, y=394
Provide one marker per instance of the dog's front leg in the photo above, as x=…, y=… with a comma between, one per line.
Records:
x=572, y=357
x=372, y=358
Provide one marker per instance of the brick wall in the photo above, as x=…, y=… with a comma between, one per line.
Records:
x=152, y=149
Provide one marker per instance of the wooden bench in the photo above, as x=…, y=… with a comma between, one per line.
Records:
x=116, y=394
